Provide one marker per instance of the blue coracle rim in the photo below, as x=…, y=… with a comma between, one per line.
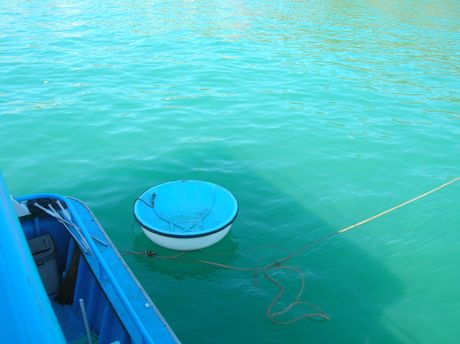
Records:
x=178, y=235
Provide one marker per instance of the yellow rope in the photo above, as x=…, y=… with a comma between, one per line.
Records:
x=360, y=223
x=398, y=206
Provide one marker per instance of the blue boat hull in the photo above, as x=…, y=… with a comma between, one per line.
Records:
x=86, y=266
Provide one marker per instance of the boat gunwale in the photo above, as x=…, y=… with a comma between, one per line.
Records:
x=101, y=261
x=125, y=265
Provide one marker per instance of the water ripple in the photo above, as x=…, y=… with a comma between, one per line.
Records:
x=315, y=114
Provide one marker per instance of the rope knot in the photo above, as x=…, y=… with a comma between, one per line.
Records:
x=150, y=253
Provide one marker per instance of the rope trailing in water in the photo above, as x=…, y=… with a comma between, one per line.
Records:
x=277, y=265
x=369, y=219
x=399, y=206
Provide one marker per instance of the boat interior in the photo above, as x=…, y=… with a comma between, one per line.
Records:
x=72, y=287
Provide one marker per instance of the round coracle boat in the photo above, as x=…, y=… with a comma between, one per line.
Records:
x=186, y=214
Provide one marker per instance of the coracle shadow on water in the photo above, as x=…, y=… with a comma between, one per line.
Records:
x=341, y=278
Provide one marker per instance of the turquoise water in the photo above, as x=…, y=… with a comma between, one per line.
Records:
x=315, y=114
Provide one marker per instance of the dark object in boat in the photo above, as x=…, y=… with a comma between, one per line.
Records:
x=66, y=291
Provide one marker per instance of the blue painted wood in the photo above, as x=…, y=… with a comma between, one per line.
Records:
x=117, y=307
x=145, y=309
x=26, y=314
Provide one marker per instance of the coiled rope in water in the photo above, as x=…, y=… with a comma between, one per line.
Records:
x=277, y=265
